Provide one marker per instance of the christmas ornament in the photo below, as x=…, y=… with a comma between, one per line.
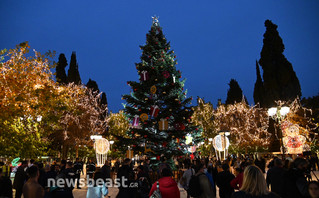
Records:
x=163, y=124
x=164, y=144
x=179, y=126
x=166, y=74
x=143, y=117
x=154, y=111
x=136, y=120
x=144, y=75
x=173, y=78
x=153, y=89
x=177, y=140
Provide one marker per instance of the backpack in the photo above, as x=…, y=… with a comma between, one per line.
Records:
x=194, y=188
x=157, y=192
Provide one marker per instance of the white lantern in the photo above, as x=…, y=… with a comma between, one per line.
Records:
x=102, y=146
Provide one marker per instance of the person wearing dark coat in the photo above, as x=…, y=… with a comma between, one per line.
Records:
x=125, y=171
x=78, y=168
x=20, y=178
x=254, y=185
x=275, y=177
x=223, y=182
x=106, y=170
x=5, y=186
x=69, y=175
x=295, y=182
x=90, y=168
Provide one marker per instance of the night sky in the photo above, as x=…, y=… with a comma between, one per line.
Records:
x=214, y=40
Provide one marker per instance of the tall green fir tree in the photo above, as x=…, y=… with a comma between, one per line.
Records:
x=60, y=70
x=280, y=80
x=259, y=90
x=73, y=72
x=235, y=93
x=159, y=111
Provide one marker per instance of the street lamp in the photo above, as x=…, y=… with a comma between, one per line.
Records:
x=278, y=114
x=111, y=142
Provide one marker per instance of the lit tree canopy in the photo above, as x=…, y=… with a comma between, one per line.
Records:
x=247, y=125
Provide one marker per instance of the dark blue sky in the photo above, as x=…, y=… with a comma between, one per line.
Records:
x=214, y=40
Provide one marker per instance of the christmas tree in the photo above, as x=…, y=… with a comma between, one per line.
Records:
x=157, y=107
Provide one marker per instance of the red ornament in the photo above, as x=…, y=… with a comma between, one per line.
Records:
x=139, y=109
x=154, y=111
x=164, y=144
x=179, y=126
x=145, y=136
x=158, y=157
x=156, y=43
x=152, y=67
x=166, y=74
x=132, y=132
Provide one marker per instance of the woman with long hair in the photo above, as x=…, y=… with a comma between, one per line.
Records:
x=254, y=185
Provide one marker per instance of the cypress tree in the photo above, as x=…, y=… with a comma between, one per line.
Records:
x=280, y=80
x=259, y=87
x=235, y=93
x=91, y=84
x=104, y=99
x=60, y=70
x=73, y=72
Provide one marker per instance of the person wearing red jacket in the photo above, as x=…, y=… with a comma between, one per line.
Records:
x=167, y=186
x=237, y=182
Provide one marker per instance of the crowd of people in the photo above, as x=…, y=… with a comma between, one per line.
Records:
x=236, y=177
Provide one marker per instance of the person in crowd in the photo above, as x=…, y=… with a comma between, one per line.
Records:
x=62, y=165
x=204, y=182
x=32, y=189
x=143, y=182
x=69, y=175
x=275, y=177
x=295, y=182
x=5, y=186
x=187, y=176
x=261, y=163
x=42, y=176
x=106, y=170
x=127, y=173
x=223, y=182
x=31, y=162
x=78, y=168
x=237, y=182
x=6, y=170
x=313, y=189
x=254, y=185
x=90, y=168
x=98, y=189
x=117, y=165
x=20, y=178
x=167, y=186
x=51, y=174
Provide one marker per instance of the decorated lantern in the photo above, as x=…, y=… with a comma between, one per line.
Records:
x=101, y=146
x=221, y=143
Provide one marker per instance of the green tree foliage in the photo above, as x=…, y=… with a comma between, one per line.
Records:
x=280, y=80
x=162, y=89
x=60, y=70
x=73, y=72
x=235, y=93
